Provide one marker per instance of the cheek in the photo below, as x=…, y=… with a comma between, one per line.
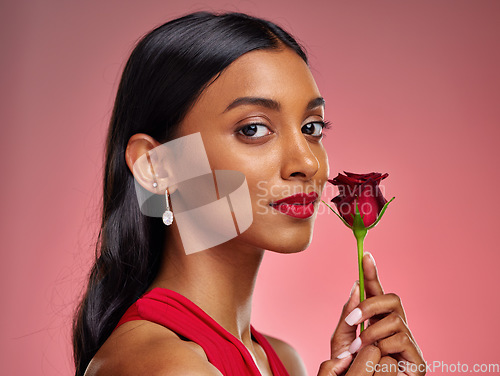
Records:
x=259, y=165
x=260, y=171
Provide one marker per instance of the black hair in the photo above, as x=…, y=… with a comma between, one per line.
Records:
x=165, y=74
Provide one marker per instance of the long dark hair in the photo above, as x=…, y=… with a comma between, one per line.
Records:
x=164, y=75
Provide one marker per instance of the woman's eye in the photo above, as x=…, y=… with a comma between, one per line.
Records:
x=313, y=129
x=254, y=130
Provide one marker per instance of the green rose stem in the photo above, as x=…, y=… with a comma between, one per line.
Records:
x=360, y=232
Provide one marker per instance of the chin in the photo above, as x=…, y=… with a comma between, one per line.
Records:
x=290, y=244
x=289, y=250
x=280, y=236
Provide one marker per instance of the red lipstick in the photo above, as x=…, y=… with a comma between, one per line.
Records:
x=300, y=205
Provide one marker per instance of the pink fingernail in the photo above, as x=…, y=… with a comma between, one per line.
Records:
x=353, y=317
x=353, y=288
x=355, y=345
x=345, y=354
x=373, y=260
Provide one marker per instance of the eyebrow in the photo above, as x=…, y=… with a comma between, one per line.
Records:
x=270, y=103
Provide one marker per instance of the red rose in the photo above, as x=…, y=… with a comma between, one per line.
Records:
x=360, y=205
x=363, y=189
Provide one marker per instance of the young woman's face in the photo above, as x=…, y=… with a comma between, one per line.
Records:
x=263, y=116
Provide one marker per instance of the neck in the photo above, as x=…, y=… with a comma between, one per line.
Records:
x=219, y=280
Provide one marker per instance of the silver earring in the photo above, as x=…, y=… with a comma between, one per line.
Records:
x=168, y=216
x=155, y=184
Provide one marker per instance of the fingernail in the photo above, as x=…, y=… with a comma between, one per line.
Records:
x=353, y=288
x=345, y=354
x=355, y=345
x=373, y=260
x=353, y=317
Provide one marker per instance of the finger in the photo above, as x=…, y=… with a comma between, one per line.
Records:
x=376, y=305
x=344, y=334
x=384, y=328
x=386, y=366
x=334, y=367
x=348, y=307
x=401, y=344
x=373, y=286
x=365, y=362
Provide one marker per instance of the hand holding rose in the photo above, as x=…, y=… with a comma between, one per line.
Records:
x=386, y=346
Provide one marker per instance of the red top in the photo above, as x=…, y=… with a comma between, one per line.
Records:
x=177, y=313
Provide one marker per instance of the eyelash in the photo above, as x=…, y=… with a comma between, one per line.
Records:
x=324, y=125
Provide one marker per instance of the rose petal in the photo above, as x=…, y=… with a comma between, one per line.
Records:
x=363, y=189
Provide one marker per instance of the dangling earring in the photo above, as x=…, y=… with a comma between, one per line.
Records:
x=168, y=216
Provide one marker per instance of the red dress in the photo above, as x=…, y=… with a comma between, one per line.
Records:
x=177, y=313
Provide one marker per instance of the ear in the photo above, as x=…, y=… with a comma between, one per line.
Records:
x=139, y=161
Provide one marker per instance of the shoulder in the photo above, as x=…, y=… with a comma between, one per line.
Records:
x=288, y=356
x=144, y=348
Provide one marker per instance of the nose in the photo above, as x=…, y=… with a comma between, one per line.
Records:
x=298, y=160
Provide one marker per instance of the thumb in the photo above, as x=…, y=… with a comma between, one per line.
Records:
x=334, y=367
x=344, y=333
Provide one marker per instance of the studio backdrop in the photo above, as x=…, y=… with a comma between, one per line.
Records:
x=412, y=88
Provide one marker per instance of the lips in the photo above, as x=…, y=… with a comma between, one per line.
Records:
x=300, y=205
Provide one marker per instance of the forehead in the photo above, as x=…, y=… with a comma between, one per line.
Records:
x=277, y=74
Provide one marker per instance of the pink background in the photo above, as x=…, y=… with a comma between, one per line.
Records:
x=412, y=88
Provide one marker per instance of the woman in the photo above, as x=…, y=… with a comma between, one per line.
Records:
x=244, y=86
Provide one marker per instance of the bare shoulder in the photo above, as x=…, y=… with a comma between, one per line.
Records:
x=288, y=356
x=144, y=348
